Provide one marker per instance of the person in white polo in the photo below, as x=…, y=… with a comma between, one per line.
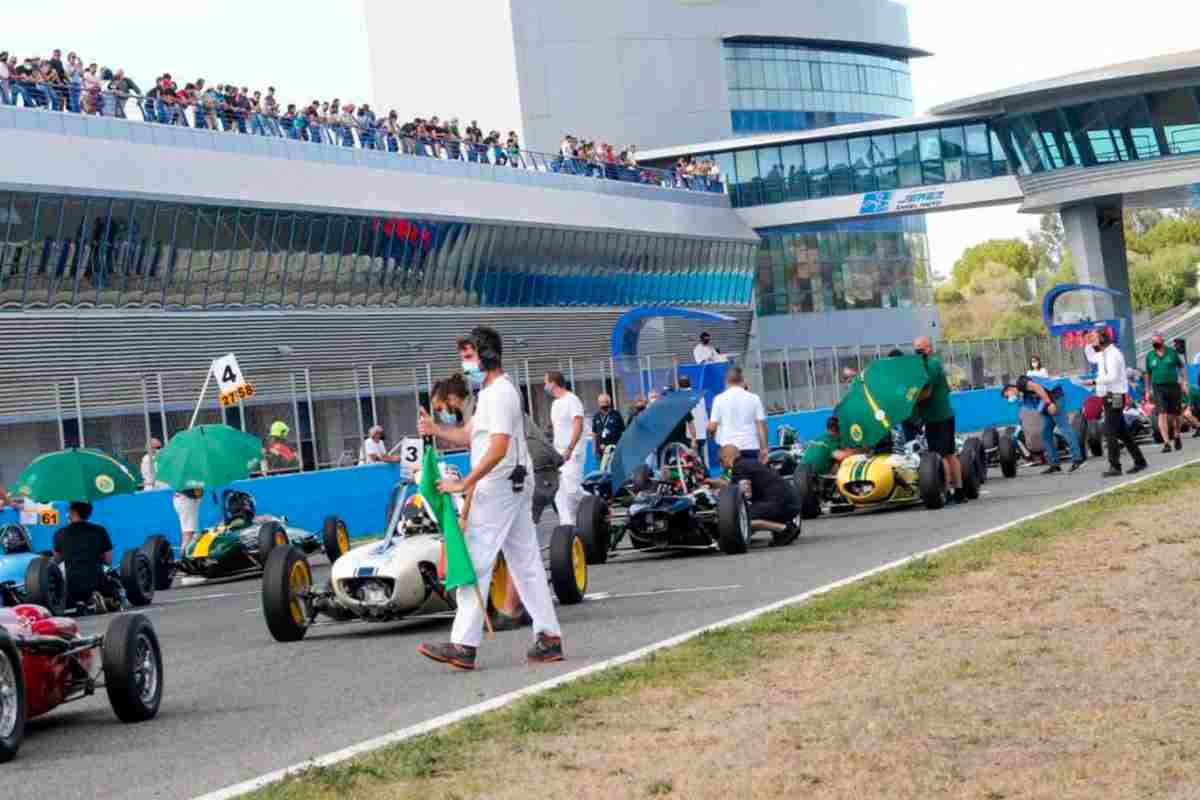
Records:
x=374, y=448
x=738, y=418
x=566, y=416
x=704, y=352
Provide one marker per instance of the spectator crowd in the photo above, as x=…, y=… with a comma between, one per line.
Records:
x=53, y=84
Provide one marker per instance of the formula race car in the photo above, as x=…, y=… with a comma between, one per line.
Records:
x=908, y=477
x=243, y=542
x=395, y=578
x=29, y=577
x=45, y=662
x=786, y=456
x=671, y=508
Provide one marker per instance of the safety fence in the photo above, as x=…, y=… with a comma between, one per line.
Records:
x=363, y=131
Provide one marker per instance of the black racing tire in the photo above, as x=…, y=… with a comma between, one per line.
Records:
x=1095, y=437
x=568, y=565
x=158, y=550
x=970, y=472
x=46, y=586
x=990, y=438
x=1006, y=453
x=12, y=676
x=270, y=535
x=133, y=668
x=592, y=524
x=287, y=571
x=974, y=446
x=137, y=576
x=641, y=477
x=804, y=484
x=335, y=537
x=733, y=521
x=931, y=481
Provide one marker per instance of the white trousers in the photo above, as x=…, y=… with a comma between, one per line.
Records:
x=501, y=521
x=188, y=509
x=570, y=491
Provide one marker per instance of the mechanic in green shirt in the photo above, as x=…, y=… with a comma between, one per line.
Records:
x=1166, y=381
x=824, y=453
x=934, y=408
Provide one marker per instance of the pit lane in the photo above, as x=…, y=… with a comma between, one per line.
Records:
x=237, y=704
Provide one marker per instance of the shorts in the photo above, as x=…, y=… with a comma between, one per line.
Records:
x=188, y=510
x=1170, y=396
x=940, y=437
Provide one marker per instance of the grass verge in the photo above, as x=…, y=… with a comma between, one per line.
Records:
x=417, y=766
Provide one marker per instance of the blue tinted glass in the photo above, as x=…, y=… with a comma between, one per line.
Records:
x=1129, y=118
x=839, y=166
x=1176, y=113
x=818, y=169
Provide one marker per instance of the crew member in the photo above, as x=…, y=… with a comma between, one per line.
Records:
x=1046, y=397
x=607, y=426
x=374, y=449
x=149, y=466
x=84, y=549
x=772, y=505
x=566, y=417
x=738, y=418
x=935, y=410
x=699, y=421
x=500, y=518
x=187, y=508
x=1166, y=380
x=825, y=453
x=277, y=455
x=1112, y=384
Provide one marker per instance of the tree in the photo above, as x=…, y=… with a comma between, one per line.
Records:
x=1166, y=279
x=996, y=302
x=1166, y=234
x=1048, y=243
x=1012, y=253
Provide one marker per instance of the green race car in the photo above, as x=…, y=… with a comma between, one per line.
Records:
x=240, y=545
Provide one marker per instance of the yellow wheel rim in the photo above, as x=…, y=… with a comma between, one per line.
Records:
x=343, y=537
x=299, y=579
x=579, y=563
x=280, y=538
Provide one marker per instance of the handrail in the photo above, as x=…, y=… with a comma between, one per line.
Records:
x=356, y=132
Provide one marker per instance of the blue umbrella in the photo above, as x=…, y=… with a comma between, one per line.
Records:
x=648, y=431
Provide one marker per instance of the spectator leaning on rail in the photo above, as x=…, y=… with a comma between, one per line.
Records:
x=374, y=448
x=1167, y=381
x=499, y=518
x=1112, y=384
x=1046, y=397
x=935, y=411
x=738, y=418
x=704, y=352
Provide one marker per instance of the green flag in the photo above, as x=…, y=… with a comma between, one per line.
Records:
x=459, y=569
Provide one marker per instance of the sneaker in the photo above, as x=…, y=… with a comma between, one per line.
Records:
x=100, y=605
x=786, y=536
x=1052, y=469
x=1112, y=472
x=545, y=650
x=1196, y=433
x=960, y=496
x=1074, y=466
x=456, y=655
x=1178, y=443
x=1167, y=447
x=1138, y=467
x=951, y=500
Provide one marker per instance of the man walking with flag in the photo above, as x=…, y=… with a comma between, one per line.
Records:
x=499, y=489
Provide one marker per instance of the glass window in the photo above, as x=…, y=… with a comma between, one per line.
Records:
x=952, y=152
x=818, y=169
x=839, y=166
x=747, y=172
x=1176, y=113
x=930, y=143
x=771, y=167
x=792, y=158
x=862, y=164
x=1090, y=134
x=883, y=154
x=1132, y=129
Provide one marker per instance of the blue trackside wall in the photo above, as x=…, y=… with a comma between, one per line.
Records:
x=359, y=494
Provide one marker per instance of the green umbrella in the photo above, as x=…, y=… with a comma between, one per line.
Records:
x=75, y=475
x=208, y=457
x=881, y=398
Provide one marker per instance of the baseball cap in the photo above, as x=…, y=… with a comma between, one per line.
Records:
x=1157, y=339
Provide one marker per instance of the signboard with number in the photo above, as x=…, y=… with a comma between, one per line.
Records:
x=40, y=515
x=411, y=452
x=232, y=386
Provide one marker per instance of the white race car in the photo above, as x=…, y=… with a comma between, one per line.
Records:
x=397, y=577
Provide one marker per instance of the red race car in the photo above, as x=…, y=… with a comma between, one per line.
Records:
x=44, y=662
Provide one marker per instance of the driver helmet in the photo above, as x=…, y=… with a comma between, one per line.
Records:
x=279, y=429
x=14, y=539
x=239, y=507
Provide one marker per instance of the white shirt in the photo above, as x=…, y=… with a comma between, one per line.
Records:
x=149, y=471
x=563, y=413
x=737, y=412
x=498, y=411
x=1040, y=372
x=703, y=353
x=700, y=420
x=1196, y=358
x=1110, y=370
x=372, y=448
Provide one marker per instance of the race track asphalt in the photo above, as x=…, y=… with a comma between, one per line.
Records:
x=238, y=704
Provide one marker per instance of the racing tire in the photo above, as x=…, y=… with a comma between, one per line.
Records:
x=1095, y=437
x=974, y=446
x=158, y=550
x=287, y=572
x=133, y=668
x=335, y=537
x=733, y=521
x=12, y=699
x=1006, y=453
x=990, y=438
x=45, y=585
x=641, y=477
x=270, y=535
x=592, y=525
x=568, y=565
x=137, y=576
x=931, y=481
x=804, y=484
x=970, y=473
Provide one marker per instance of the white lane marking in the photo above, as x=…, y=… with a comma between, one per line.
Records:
x=461, y=714
x=207, y=597
x=655, y=592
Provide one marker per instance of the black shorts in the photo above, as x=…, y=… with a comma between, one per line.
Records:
x=773, y=511
x=940, y=437
x=1169, y=396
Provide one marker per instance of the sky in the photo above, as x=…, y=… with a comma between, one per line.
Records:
x=314, y=49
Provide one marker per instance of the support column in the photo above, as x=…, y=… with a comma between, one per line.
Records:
x=1096, y=239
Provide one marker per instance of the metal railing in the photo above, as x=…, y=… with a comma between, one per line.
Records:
x=364, y=131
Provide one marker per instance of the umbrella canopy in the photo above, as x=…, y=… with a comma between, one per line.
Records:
x=208, y=457
x=879, y=399
x=75, y=475
x=648, y=431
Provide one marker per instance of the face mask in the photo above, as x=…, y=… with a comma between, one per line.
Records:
x=447, y=418
x=473, y=373
x=604, y=409
x=1013, y=399
x=1035, y=365
x=549, y=390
